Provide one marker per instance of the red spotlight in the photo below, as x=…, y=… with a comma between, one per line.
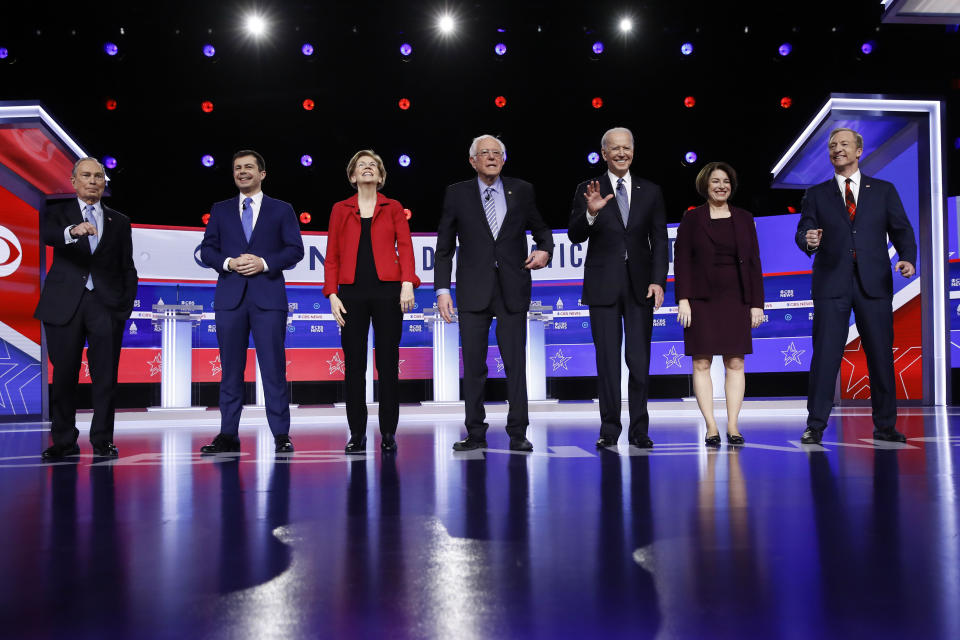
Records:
x=408, y=213
x=404, y=104
x=597, y=102
x=792, y=209
x=206, y=218
x=500, y=101
x=786, y=102
x=689, y=102
x=206, y=106
x=111, y=105
x=305, y=217
x=308, y=104
x=691, y=207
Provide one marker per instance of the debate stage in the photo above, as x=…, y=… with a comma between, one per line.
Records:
x=851, y=538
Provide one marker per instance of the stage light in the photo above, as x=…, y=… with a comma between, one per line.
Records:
x=500, y=101
x=207, y=160
x=205, y=218
x=786, y=102
x=407, y=214
x=110, y=48
x=593, y=157
x=956, y=143
x=446, y=24
x=867, y=48
x=686, y=48
x=626, y=25
x=111, y=105
x=404, y=104
x=690, y=157
x=206, y=106
x=307, y=49
x=597, y=102
x=791, y=209
x=306, y=160
x=305, y=217
x=209, y=50
x=109, y=162
x=691, y=207
x=308, y=105
x=785, y=49
x=4, y=53
x=256, y=25
x=405, y=49
x=500, y=49
x=404, y=160
x=689, y=102
x=597, y=47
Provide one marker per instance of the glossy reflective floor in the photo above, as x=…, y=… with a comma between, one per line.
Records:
x=772, y=540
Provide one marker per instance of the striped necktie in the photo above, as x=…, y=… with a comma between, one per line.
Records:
x=490, y=208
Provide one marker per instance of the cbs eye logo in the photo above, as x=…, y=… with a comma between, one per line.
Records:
x=10, y=252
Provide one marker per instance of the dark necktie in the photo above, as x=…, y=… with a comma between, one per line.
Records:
x=851, y=203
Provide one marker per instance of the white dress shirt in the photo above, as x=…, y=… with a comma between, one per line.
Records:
x=97, y=213
x=256, y=201
x=627, y=184
x=854, y=185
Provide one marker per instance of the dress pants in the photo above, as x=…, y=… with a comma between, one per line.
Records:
x=512, y=340
x=608, y=324
x=269, y=329
x=831, y=322
x=101, y=328
x=387, y=317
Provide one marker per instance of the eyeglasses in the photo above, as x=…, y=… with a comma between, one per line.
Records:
x=364, y=165
x=489, y=153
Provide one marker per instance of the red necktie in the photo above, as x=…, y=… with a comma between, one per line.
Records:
x=851, y=203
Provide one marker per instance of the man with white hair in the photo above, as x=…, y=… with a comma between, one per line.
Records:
x=625, y=271
x=490, y=216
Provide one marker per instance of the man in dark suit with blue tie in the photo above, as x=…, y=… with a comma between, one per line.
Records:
x=844, y=225
x=87, y=298
x=490, y=216
x=624, y=274
x=250, y=240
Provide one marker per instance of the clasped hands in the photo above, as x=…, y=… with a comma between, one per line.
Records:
x=246, y=264
x=814, y=236
x=685, y=318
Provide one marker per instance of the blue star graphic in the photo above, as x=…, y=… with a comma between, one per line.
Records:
x=792, y=354
x=673, y=358
x=560, y=361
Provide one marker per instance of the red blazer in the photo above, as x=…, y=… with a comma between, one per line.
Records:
x=390, y=237
x=693, y=256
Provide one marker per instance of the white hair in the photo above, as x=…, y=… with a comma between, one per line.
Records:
x=473, y=145
x=76, y=165
x=603, y=140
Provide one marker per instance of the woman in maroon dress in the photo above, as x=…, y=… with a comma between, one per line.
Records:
x=719, y=289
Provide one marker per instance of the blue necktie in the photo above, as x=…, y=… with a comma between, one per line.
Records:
x=246, y=218
x=490, y=208
x=88, y=216
x=623, y=201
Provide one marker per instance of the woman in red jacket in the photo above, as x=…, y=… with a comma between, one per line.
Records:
x=718, y=282
x=369, y=275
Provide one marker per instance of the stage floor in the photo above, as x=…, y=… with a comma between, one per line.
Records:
x=853, y=538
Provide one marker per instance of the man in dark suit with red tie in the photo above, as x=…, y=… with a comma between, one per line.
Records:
x=87, y=298
x=250, y=240
x=844, y=225
x=490, y=216
x=625, y=271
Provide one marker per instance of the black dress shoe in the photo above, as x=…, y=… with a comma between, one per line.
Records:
x=105, y=450
x=642, y=442
x=356, y=444
x=735, y=439
x=520, y=443
x=603, y=442
x=222, y=444
x=889, y=435
x=811, y=436
x=712, y=441
x=469, y=444
x=283, y=444
x=56, y=452
x=388, y=443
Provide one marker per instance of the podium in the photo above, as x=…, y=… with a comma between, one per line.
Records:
x=446, y=355
x=537, y=318
x=176, y=352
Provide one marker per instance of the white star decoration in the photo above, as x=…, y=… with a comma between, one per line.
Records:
x=155, y=365
x=400, y=367
x=792, y=354
x=499, y=363
x=560, y=361
x=672, y=357
x=336, y=364
x=85, y=371
x=215, y=367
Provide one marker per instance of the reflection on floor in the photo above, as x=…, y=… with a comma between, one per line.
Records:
x=853, y=538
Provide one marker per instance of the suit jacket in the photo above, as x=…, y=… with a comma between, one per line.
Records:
x=694, y=253
x=111, y=265
x=643, y=241
x=879, y=213
x=483, y=260
x=275, y=238
x=389, y=237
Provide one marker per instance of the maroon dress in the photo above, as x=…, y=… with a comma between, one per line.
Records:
x=720, y=325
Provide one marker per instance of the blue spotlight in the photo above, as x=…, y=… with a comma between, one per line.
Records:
x=500, y=49
x=785, y=49
x=207, y=160
x=598, y=47
x=690, y=157
x=306, y=160
x=867, y=48
x=110, y=48
x=406, y=49
x=404, y=160
x=686, y=48
x=4, y=52
x=110, y=162
x=307, y=49
x=209, y=50
x=593, y=157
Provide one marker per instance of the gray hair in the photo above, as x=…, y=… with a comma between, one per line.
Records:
x=473, y=145
x=856, y=135
x=603, y=140
x=76, y=165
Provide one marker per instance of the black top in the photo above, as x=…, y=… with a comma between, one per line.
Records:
x=724, y=240
x=365, y=279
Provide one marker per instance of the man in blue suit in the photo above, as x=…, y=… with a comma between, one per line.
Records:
x=844, y=226
x=250, y=240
